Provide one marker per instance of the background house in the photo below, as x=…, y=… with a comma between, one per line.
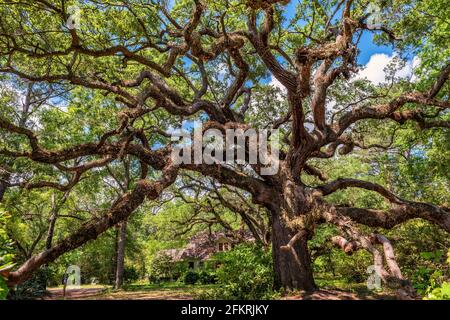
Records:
x=199, y=251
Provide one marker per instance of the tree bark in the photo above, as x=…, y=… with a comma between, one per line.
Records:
x=3, y=187
x=4, y=178
x=114, y=257
x=120, y=255
x=290, y=272
x=48, y=244
x=51, y=227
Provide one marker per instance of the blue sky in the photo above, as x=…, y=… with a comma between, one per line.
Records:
x=366, y=45
x=368, y=48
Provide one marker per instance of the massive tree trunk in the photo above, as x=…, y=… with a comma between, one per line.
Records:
x=292, y=271
x=120, y=255
x=290, y=213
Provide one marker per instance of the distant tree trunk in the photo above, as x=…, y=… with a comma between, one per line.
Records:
x=114, y=257
x=56, y=206
x=51, y=229
x=3, y=187
x=4, y=179
x=49, y=239
x=120, y=255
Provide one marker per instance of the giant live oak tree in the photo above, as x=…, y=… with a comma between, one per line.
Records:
x=156, y=65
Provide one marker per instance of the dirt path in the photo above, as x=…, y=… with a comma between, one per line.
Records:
x=71, y=294
x=144, y=295
x=102, y=293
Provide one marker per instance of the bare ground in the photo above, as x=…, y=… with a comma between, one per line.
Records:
x=103, y=293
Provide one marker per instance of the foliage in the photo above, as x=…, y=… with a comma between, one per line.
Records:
x=161, y=268
x=439, y=284
x=330, y=262
x=245, y=273
x=130, y=274
x=441, y=292
x=3, y=288
x=33, y=288
x=190, y=277
x=207, y=277
x=6, y=255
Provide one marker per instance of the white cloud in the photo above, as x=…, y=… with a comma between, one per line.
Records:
x=415, y=63
x=374, y=69
x=277, y=84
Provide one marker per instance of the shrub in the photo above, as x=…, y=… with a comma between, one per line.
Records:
x=130, y=274
x=190, y=277
x=3, y=288
x=439, y=286
x=207, y=277
x=161, y=268
x=246, y=272
x=33, y=288
x=6, y=256
x=439, y=293
x=351, y=268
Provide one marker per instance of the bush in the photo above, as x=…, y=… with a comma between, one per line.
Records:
x=207, y=277
x=246, y=273
x=352, y=269
x=161, y=268
x=439, y=286
x=3, y=288
x=33, y=288
x=439, y=293
x=130, y=274
x=190, y=277
x=6, y=256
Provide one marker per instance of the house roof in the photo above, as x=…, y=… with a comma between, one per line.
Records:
x=203, y=245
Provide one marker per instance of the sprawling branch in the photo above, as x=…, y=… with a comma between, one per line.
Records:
x=391, y=109
x=392, y=276
x=119, y=212
x=401, y=209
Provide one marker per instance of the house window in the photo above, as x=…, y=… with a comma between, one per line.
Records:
x=191, y=264
x=224, y=246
